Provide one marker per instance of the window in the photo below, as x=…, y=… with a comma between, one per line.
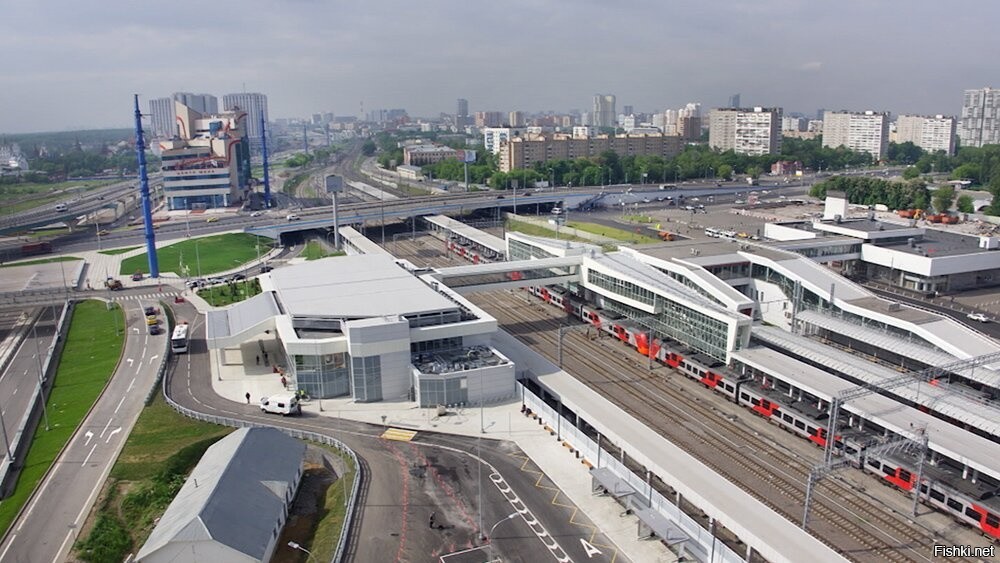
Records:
x=800, y=425
x=937, y=495
x=892, y=471
x=787, y=417
x=904, y=475
x=874, y=462
x=744, y=396
x=955, y=505
x=992, y=520
x=973, y=513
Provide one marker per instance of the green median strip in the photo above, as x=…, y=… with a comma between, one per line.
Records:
x=93, y=347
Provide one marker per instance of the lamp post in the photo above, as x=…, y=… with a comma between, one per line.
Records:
x=510, y=516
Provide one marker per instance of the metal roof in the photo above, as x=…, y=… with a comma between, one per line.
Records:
x=231, y=321
x=362, y=286
x=880, y=338
x=473, y=234
x=977, y=413
x=361, y=242
x=235, y=496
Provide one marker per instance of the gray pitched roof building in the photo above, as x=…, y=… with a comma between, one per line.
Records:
x=234, y=504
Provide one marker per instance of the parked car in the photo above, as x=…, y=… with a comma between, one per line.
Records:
x=256, y=213
x=237, y=277
x=265, y=269
x=192, y=284
x=978, y=317
x=137, y=276
x=151, y=311
x=212, y=219
x=292, y=217
x=152, y=320
x=154, y=330
x=215, y=281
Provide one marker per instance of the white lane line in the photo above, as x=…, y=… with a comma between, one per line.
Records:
x=86, y=459
x=14, y=393
x=130, y=385
x=69, y=535
x=106, y=426
x=6, y=549
x=119, y=405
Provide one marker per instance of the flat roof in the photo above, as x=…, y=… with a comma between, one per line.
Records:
x=940, y=243
x=469, y=232
x=948, y=439
x=865, y=225
x=363, y=286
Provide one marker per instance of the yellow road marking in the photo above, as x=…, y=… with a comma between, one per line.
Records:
x=399, y=434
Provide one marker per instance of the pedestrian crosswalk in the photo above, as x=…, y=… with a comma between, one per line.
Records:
x=152, y=296
x=399, y=434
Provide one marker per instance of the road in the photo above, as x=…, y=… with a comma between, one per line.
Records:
x=407, y=482
x=48, y=525
x=19, y=381
x=991, y=329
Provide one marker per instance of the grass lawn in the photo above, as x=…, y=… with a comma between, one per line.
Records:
x=42, y=261
x=216, y=253
x=89, y=358
x=115, y=251
x=540, y=231
x=330, y=526
x=639, y=218
x=161, y=450
x=315, y=250
x=224, y=294
x=12, y=197
x=611, y=232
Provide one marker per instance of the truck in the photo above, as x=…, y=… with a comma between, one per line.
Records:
x=751, y=181
x=113, y=284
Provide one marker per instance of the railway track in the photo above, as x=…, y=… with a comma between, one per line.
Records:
x=853, y=525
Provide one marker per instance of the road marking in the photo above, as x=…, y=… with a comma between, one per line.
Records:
x=130, y=385
x=153, y=359
x=69, y=536
x=120, y=403
x=86, y=459
x=129, y=360
x=113, y=432
x=101, y=435
x=399, y=434
x=89, y=435
x=15, y=392
x=6, y=549
x=590, y=549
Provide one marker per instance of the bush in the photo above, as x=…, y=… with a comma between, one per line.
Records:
x=108, y=542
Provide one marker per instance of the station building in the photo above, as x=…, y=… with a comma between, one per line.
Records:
x=365, y=326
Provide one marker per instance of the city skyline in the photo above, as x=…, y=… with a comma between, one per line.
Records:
x=77, y=66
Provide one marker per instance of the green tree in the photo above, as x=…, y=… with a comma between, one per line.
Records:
x=368, y=148
x=943, y=198
x=726, y=172
x=965, y=204
x=754, y=171
x=911, y=172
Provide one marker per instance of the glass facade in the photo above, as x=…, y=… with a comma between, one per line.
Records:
x=323, y=376
x=523, y=251
x=443, y=391
x=621, y=287
x=683, y=324
x=367, y=376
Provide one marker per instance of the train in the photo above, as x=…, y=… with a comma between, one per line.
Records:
x=963, y=501
x=466, y=250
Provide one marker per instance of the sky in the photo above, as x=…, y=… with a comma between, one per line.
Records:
x=75, y=65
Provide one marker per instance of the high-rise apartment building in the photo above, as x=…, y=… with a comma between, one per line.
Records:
x=255, y=105
x=793, y=124
x=980, y=118
x=859, y=131
x=462, y=113
x=524, y=151
x=753, y=131
x=489, y=119
x=161, y=112
x=203, y=103
x=734, y=101
x=516, y=119
x=929, y=133
x=604, y=111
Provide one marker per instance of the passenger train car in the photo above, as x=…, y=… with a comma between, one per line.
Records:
x=801, y=418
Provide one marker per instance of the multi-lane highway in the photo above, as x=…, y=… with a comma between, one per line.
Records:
x=49, y=522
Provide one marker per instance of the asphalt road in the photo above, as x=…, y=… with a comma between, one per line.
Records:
x=19, y=380
x=991, y=329
x=49, y=522
x=407, y=482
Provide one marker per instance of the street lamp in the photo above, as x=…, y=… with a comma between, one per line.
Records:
x=295, y=545
x=510, y=516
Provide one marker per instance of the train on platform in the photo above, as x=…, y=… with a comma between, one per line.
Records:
x=963, y=502
x=466, y=250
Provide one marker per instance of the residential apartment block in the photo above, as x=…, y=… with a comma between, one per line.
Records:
x=419, y=155
x=255, y=105
x=932, y=134
x=521, y=152
x=980, y=118
x=604, y=111
x=753, y=131
x=859, y=131
x=489, y=118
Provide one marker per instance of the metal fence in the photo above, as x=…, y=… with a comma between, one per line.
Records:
x=702, y=545
x=299, y=434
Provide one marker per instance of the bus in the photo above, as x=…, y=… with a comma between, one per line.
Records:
x=179, y=339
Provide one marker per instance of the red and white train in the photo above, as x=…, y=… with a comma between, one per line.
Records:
x=802, y=419
x=467, y=251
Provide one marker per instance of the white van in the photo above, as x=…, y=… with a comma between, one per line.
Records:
x=292, y=217
x=282, y=403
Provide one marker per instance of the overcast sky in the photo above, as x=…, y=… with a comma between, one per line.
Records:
x=69, y=64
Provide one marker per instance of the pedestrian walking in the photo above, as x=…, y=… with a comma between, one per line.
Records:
x=284, y=382
x=248, y=397
x=258, y=359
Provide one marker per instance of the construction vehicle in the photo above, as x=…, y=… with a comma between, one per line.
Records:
x=113, y=284
x=666, y=236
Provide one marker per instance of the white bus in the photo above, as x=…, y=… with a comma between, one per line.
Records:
x=179, y=339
